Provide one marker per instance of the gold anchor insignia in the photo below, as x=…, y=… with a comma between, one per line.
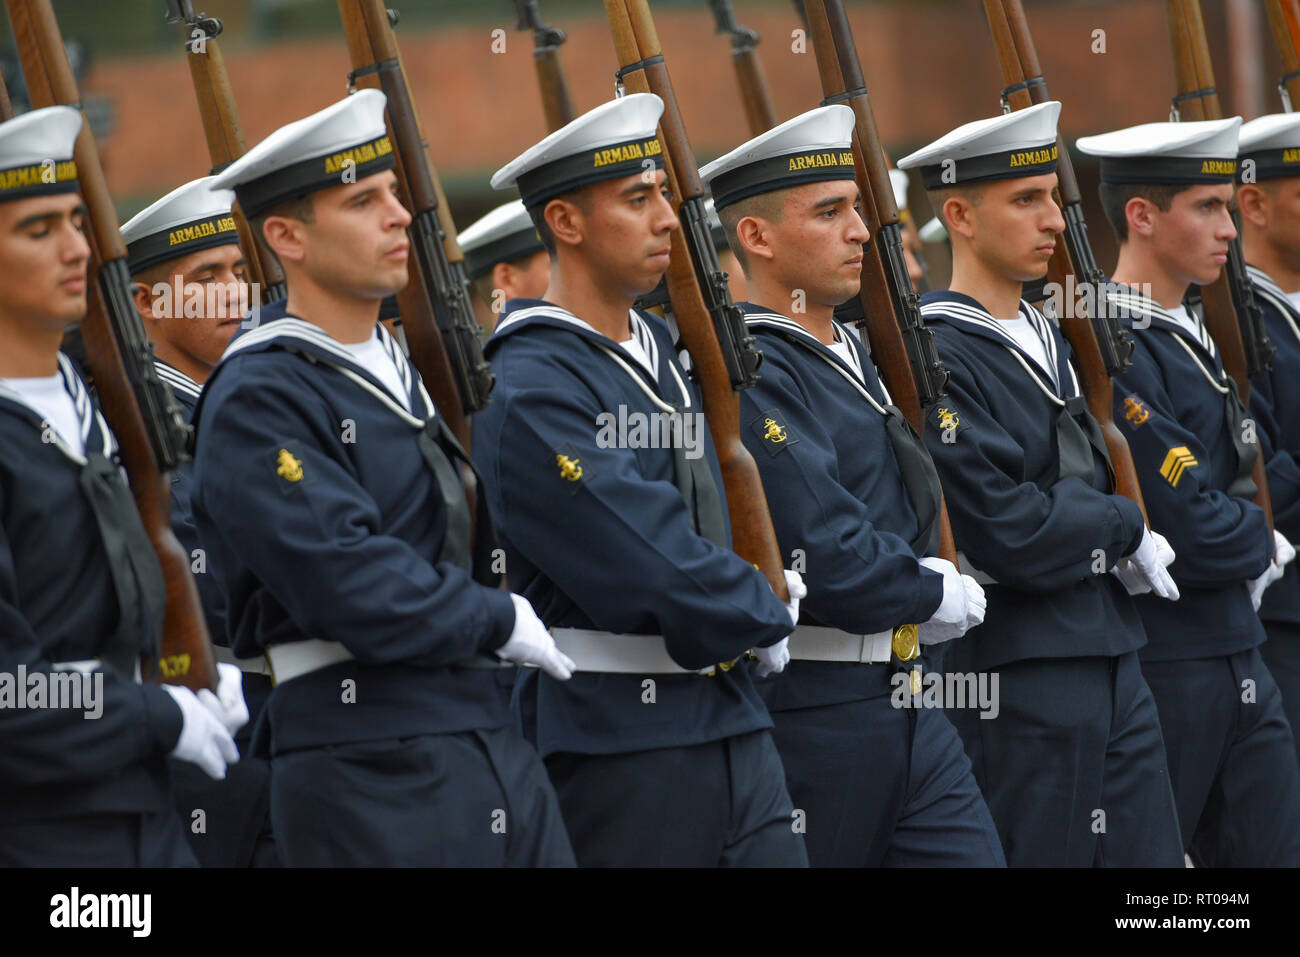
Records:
x=774, y=432
x=1135, y=412
x=290, y=468
x=948, y=419
x=569, y=468
x=905, y=643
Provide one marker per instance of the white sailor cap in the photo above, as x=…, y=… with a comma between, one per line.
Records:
x=615, y=139
x=313, y=153
x=810, y=148
x=1272, y=144
x=899, y=180
x=1173, y=154
x=36, y=153
x=189, y=218
x=1009, y=146
x=503, y=235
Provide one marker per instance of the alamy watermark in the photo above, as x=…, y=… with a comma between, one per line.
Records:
x=23, y=690
x=938, y=689
x=652, y=430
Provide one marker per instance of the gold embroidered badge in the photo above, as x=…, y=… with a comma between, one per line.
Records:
x=774, y=432
x=289, y=468
x=1135, y=411
x=947, y=419
x=570, y=468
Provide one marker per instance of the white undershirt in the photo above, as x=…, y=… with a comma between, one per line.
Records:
x=1027, y=338
x=845, y=352
x=633, y=348
x=1294, y=298
x=47, y=397
x=1181, y=316
x=374, y=358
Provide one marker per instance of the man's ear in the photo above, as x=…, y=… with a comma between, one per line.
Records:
x=1141, y=216
x=143, y=299
x=1254, y=205
x=566, y=220
x=285, y=237
x=755, y=239
x=503, y=278
x=958, y=214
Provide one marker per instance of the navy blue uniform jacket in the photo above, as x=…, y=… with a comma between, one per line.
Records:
x=1275, y=404
x=1013, y=517
x=835, y=494
x=343, y=550
x=614, y=549
x=58, y=603
x=1177, y=426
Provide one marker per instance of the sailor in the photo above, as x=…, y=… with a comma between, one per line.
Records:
x=1268, y=198
x=83, y=745
x=505, y=260
x=1073, y=766
x=607, y=494
x=329, y=500
x=189, y=286
x=1166, y=189
x=855, y=498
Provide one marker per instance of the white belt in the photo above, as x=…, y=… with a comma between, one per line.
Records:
x=620, y=654
x=297, y=658
x=254, y=666
x=87, y=665
x=814, y=643
x=966, y=568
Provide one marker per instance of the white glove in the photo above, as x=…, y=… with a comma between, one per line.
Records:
x=1144, y=570
x=204, y=739
x=797, y=589
x=962, y=607
x=1283, y=552
x=228, y=703
x=531, y=644
x=773, y=659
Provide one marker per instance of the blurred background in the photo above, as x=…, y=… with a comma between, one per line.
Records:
x=929, y=65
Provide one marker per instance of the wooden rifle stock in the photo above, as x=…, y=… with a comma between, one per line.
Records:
x=1284, y=18
x=759, y=113
x=149, y=426
x=6, y=105
x=1024, y=85
x=557, y=104
x=437, y=316
x=224, y=135
x=908, y=360
x=694, y=282
x=1198, y=98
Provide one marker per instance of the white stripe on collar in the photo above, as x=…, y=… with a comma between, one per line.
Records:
x=1136, y=301
x=1266, y=287
x=177, y=379
x=1041, y=325
x=842, y=334
x=640, y=329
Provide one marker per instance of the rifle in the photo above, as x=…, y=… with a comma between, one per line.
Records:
x=150, y=427
x=437, y=313
x=6, y=105
x=711, y=325
x=1102, y=346
x=557, y=104
x=1284, y=18
x=900, y=344
x=224, y=134
x=749, y=69
x=1232, y=316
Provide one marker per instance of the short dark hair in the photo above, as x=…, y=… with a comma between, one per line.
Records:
x=482, y=287
x=1115, y=196
x=973, y=192
x=769, y=206
x=580, y=197
x=301, y=208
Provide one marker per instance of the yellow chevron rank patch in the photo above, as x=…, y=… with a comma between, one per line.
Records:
x=1178, y=461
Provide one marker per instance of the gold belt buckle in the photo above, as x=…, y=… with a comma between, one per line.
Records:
x=905, y=643
x=725, y=665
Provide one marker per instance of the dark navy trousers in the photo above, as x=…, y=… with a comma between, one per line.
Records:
x=718, y=804
x=1073, y=767
x=465, y=799
x=97, y=840
x=1232, y=759
x=1281, y=653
